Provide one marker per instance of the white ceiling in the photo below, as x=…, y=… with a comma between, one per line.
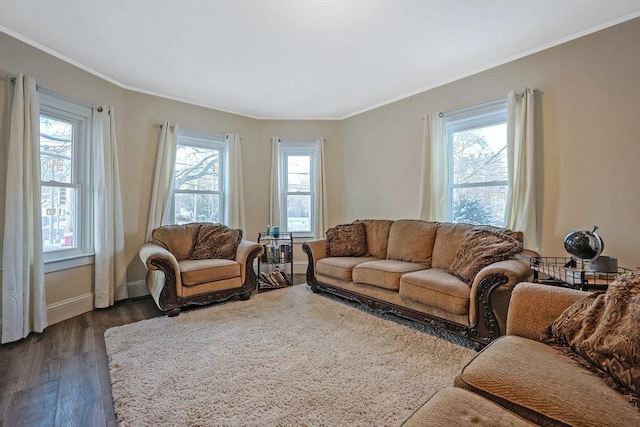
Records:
x=299, y=59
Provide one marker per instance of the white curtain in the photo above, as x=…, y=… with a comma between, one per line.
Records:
x=435, y=169
x=521, y=207
x=23, y=292
x=159, y=209
x=235, y=188
x=110, y=276
x=275, y=196
x=321, y=212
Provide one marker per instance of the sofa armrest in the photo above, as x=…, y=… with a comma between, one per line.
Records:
x=534, y=306
x=315, y=250
x=490, y=294
x=246, y=253
x=163, y=276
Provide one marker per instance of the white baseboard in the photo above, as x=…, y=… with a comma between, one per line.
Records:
x=137, y=288
x=66, y=309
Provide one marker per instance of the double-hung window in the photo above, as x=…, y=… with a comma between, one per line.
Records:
x=199, y=178
x=298, y=186
x=477, y=155
x=65, y=185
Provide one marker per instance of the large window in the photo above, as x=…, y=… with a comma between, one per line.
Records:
x=198, y=194
x=64, y=181
x=477, y=147
x=297, y=187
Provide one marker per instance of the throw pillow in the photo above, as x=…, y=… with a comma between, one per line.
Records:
x=482, y=246
x=216, y=241
x=347, y=240
x=603, y=329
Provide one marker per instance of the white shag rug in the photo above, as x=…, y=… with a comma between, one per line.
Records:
x=283, y=358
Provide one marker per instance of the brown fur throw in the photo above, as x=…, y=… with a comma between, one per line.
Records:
x=482, y=246
x=216, y=241
x=603, y=329
x=347, y=240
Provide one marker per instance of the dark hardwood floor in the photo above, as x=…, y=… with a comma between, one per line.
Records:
x=61, y=377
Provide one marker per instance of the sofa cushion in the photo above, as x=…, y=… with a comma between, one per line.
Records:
x=437, y=288
x=177, y=239
x=340, y=267
x=544, y=386
x=216, y=241
x=454, y=406
x=347, y=240
x=377, y=231
x=384, y=273
x=195, y=272
x=482, y=246
x=449, y=238
x=412, y=241
x=604, y=329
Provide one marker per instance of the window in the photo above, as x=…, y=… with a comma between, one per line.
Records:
x=297, y=187
x=64, y=180
x=477, y=151
x=198, y=194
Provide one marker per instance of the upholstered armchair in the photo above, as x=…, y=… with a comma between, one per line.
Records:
x=198, y=263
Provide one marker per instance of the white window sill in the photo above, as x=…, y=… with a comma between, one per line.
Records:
x=67, y=263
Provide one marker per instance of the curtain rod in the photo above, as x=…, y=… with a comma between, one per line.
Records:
x=473, y=107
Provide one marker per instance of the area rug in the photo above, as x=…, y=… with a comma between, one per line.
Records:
x=283, y=358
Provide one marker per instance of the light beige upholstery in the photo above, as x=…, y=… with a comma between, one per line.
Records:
x=457, y=407
x=412, y=241
x=340, y=267
x=449, y=238
x=436, y=287
x=377, y=236
x=384, y=273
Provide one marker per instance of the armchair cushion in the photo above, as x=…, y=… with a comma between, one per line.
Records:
x=195, y=272
x=483, y=246
x=216, y=241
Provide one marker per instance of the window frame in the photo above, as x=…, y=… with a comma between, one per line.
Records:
x=298, y=148
x=209, y=141
x=482, y=116
x=65, y=109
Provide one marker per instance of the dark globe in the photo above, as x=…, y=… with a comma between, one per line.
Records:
x=584, y=244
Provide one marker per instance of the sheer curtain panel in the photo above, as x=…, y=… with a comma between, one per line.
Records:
x=321, y=212
x=24, y=306
x=435, y=169
x=521, y=206
x=275, y=196
x=159, y=209
x=110, y=266
x=235, y=188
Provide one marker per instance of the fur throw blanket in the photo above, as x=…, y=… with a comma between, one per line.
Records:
x=603, y=331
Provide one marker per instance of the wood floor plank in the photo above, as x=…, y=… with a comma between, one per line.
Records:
x=80, y=398
x=34, y=406
x=11, y=363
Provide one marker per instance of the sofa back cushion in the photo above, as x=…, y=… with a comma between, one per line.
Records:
x=412, y=240
x=177, y=239
x=377, y=231
x=449, y=238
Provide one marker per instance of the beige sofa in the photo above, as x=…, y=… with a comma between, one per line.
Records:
x=198, y=263
x=405, y=271
x=519, y=379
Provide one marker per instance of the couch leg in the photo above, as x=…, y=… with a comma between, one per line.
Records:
x=245, y=296
x=174, y=312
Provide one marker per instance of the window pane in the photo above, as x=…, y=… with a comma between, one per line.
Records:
x=191, y=207
x=298, y=212
x=480, y=205
x=197, y=168
x=58, y=218
x=480, y=155
x=56, y=148
x=298, y=173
